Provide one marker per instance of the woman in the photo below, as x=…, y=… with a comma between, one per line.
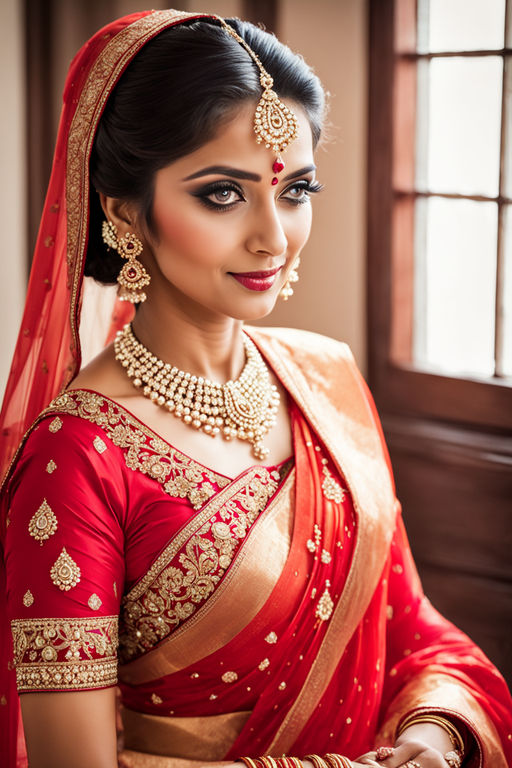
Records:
x=261, y=585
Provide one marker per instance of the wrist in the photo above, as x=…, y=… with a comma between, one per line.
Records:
x=429, y=733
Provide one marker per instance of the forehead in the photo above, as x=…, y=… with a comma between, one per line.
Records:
x=235, y=145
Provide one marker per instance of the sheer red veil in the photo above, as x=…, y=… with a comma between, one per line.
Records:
x=50, y=344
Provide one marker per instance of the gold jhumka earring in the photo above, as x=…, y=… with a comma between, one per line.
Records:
x=287, y=290
x=133, y=277
x=275, y=124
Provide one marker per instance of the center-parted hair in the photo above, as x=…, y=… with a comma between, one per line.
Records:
x=173, y=98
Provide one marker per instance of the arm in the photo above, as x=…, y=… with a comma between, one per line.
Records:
x=65, y=573
x=70, y=730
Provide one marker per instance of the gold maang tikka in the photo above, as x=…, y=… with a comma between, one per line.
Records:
x=275, y=125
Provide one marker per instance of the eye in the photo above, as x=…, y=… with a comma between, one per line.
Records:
x=220, y=194
x=224, y=196
x=301, y=191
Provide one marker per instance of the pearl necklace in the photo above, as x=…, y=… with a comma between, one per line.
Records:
x=244, y=409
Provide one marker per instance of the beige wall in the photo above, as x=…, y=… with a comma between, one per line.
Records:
x=12, y=189
x=330, y=295
x=331, y=34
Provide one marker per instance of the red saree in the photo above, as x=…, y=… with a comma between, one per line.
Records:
x=277, y=612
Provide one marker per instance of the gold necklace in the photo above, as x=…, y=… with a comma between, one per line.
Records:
x=245, y=409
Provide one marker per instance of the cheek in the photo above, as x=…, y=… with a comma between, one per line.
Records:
x=299, y=228
x=175, y=232
x=185, y=229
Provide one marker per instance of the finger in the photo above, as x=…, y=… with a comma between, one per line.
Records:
x=415, y=755
x=402, y=753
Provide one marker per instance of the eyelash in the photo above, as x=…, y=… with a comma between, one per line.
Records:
x=204, y=194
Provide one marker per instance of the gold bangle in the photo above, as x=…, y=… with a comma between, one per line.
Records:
x=296, y=762
x=447, y=725
x=268, y=761
x=249, y=762
x=317, y=761
x=334, y=760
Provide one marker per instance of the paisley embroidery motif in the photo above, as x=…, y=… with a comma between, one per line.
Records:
x=65, y=573
x=330, y=488
x=43, y=523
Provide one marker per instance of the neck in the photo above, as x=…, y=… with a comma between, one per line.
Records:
x=211, y=347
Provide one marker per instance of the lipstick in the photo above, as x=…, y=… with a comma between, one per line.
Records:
x=257, y=281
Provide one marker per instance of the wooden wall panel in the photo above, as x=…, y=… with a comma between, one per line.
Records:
x=456, y=491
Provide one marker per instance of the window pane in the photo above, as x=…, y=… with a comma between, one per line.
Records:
x=464, y=115
x=506, y=362
x=455, y=281
x=461, y=25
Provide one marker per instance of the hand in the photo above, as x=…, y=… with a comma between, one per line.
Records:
x=423, y=745
x=411, y=753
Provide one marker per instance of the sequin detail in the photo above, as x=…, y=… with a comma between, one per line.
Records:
x=28, y=599
x=331, y=490
x=325, y=605
x=271, y=638
x=94, y=602
x=99, y=444
x=51, y=466
x=55, y=425
x=229, y=677
x=43, y=523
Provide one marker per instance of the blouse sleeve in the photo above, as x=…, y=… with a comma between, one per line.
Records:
x=64, y=557
x=434, y=667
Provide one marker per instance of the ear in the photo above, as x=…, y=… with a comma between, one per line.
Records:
x=120, y=213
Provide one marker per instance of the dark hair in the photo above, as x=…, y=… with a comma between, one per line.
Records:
x=170, y=100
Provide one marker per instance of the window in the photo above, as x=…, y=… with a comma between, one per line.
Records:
x=440, y=215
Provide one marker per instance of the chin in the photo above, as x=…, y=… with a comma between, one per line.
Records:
x=256, y=310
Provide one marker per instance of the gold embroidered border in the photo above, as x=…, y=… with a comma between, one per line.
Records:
x=100, y=82
x=172, y=591
x=247, y=585
x=347, y=427
x=39, y=642
x=65, y=675
x=179, y=475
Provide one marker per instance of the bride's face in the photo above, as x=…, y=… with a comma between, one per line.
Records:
x=218, y=218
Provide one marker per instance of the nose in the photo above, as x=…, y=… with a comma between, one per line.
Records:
x=266, y=235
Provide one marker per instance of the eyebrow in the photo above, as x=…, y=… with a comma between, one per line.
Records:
x=237, y=173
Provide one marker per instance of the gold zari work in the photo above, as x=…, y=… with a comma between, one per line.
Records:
x=177, y=584
x=65, y=573
x=51, y=466
x=28, y=599
x=331, y=489
x=99, y=444
x=43, y=523
x=179, y=475
x=59, y=654
x=94, y=602
x=325, y=605
x=55, y=425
